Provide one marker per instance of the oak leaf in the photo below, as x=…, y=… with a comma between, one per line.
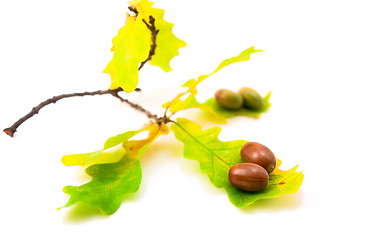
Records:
x=112, y=182
x=176, y=104
x=217, y=157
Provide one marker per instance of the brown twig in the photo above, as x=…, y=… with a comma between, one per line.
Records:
x=138, y=107
x=114, y=92
x=154, y=33
x=133, y=9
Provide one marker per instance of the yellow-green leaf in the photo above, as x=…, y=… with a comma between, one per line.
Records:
x=134, y=2
x=192, y=84
x=217, y=157
x=113, y=151
x=243, y=56
x=131, y=47
x=214, y=112
x=167, y=43
x=112, y=182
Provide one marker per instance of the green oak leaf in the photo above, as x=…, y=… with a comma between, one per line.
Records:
x=217, y=157
x=217, y=113
x=112, y=182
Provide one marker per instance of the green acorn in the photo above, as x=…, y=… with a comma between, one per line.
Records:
x=228, y=99
x=251, y=98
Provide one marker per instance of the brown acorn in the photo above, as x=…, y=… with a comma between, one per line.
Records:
x=253, y=152
x=228, y=99
x=248, y=177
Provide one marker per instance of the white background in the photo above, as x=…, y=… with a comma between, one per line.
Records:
x=315, y=62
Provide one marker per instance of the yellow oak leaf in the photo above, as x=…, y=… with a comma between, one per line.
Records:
x=131, y=47
x=167, y=44
x=116, y=147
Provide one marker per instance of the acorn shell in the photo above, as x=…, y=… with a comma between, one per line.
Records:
x=228, y=99
x=249, y=177
x=253, y=152
x=251, y=98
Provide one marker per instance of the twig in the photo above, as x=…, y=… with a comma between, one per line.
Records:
x=114, y=92
x=139, y=108
x=133, y=9
x=154, y=33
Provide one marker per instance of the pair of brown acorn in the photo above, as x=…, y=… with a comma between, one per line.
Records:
x=253, y=174
x=246, y=97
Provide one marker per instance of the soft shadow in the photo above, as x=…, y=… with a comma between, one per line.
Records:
x=205, y=119
x=81, y=212
x=285, y=202
x=157, y=148
x=82, y=176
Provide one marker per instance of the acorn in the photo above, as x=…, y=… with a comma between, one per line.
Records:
x=248, y=177
x=253, y=152
x=228, y=99
x=251, y=98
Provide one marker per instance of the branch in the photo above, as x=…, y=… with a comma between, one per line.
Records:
x=138, y=107
x=133, y=9
x=114, y=92
x=154, y=33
